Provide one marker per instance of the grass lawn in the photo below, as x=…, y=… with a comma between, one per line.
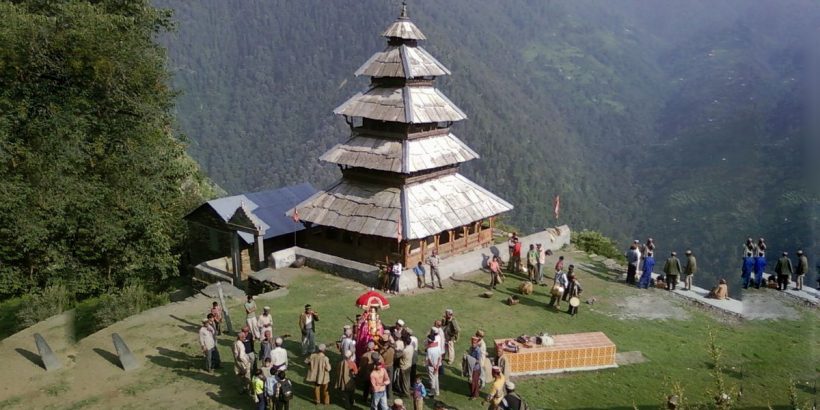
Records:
x=8, y=316
x=759, y=355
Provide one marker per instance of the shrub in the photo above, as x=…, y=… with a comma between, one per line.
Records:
x=597, y=243
x=129, y=301
x=38, y=306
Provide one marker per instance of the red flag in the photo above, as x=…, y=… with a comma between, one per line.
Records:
x=295, y=215
x=556, y=206
x=398, y=231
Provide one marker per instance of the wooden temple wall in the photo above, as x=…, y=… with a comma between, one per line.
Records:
x=377, y=250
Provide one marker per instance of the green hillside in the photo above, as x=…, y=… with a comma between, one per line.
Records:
x=626, y=109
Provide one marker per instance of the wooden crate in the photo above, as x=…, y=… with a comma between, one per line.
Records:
x=578, y=351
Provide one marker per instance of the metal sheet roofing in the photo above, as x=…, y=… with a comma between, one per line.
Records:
x=268, y=207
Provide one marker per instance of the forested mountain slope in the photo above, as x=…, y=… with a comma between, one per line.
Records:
x=626, y=109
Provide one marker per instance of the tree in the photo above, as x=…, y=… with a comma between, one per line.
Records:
x=94, y=177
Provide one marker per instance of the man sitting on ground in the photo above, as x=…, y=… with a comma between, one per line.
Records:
x=721, y=292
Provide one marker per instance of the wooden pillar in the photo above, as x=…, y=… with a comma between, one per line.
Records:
x=424, y=248
x=436, y=238
x=236, y=259
x=259, y=248
x=450, y=235
x=405, y=252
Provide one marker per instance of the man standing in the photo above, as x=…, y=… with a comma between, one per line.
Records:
x=690, y=269
x=632, y=259
x=265, y=321
x=542, y=259
x=379, y=380
x=512, y=401
x=648, y=266
x=496, y=389
x=760, y=267
x=433, y=260
x=319, y=374
x=532, y=263
x=672, y=269
x=307, y=325
x=347, y=342
x=367, y=363
x=250, y=317
x=206, y=342
x=387, y=350
x=242, y=365
x=421, y=275
x=258, y=390
x=746, y=269
x=451, y=331
x=516, y=256
x=217, y=312
x=433, y=363
x=495, y=272
x=573, y=290
x=802, y=268
x=278, y=356
x=405, y=353
x=783, y=269
x=559, y=285
x=248, y=342
x=559, y=265
x=346, y=378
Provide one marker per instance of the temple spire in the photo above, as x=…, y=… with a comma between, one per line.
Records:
x=403, y=15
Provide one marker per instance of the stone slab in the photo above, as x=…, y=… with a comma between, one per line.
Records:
x=50, y=360
x=625, y=358
x=127, y=359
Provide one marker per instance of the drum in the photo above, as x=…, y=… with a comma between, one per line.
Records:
x=557, y=291
x=574, y=301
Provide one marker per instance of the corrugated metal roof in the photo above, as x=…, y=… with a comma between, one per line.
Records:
x=431, y=207
x=402, y=62
x=413, y=105
x=268, y=207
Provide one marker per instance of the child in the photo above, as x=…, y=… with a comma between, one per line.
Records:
x=398, y=404
x=419, y=392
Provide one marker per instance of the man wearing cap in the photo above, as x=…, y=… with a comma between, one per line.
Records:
x=346, y=377
x=206, y=342
x=398, y=329
x=367, y=362
x=319, y=374
x=496, y=389
x=433, y=260
x=347, y=342
x=307, y=325
x=217, y=312
x=451, y=331
x=802, y=269
x=433, y=362
x=404, y=360
x=512, y=401
x=783, y=269
x=242, y=365
x=690, y=270
x=672, y=269
x=387, y=350
x=265, y=321
x=379, y=380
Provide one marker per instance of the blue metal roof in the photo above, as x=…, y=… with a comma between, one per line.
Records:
x=268, y=206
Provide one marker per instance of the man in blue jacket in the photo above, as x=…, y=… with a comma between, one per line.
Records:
x=648, y=265
x=760, y=266
x=746, y=270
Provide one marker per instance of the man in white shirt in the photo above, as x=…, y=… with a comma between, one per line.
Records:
x=206, y=342
x=278, y=356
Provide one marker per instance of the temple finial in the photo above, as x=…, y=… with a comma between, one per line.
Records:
x=403, y=14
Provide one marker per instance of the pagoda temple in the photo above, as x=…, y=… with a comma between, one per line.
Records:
x=400, y=195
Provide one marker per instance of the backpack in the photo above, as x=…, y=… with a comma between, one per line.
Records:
x=285, y=390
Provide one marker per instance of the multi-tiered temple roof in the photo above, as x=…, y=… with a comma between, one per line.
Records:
x=400, y=166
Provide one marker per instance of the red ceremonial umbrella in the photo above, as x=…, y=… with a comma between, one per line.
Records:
x=372, y=298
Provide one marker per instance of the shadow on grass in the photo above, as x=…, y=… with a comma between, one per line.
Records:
x=108, y=356
x=188, y=366
x=32, y=357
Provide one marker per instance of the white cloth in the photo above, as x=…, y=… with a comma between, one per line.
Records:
x=206, y=338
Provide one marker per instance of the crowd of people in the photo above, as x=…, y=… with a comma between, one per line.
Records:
x=381, y=366
x=640, y=258
x=380, y=363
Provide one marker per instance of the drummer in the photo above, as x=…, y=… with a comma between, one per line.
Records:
x=559, y=285
x=574, y=291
